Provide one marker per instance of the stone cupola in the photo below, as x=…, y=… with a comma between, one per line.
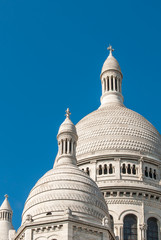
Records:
x=111, y=79
x=5, y=219
x=67, y=138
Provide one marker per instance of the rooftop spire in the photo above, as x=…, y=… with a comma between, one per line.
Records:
x=5, y=205
x=68, y=113
x=6, y=196
x=110, y=49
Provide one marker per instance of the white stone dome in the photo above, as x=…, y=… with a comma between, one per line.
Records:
x=111, y=64
x=67, y=126
x=113, y=128
x=62, y=188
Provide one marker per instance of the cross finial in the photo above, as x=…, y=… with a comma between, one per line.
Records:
x=68, y=113
x=110, y=49
x=6, y=196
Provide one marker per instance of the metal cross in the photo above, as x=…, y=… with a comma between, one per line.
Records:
x=68, y=113
x=6, y=196
x=110, y=49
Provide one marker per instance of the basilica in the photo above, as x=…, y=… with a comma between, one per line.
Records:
x=105, y=183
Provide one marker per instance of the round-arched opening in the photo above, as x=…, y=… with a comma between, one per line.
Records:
x=152, y=230
x=130, y=227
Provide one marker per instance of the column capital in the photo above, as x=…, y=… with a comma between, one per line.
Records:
x=143, y=226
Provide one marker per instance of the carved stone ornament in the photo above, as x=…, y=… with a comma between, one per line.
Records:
x=68, y=211
x=105, y=221
x=29, y=218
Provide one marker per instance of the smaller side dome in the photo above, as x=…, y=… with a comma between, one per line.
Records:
x=65, y=190
x=67, y=126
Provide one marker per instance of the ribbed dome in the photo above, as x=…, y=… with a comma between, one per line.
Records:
x=62, y=188
x=111, y=64
x=115, y=128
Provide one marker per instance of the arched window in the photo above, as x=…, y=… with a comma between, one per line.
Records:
x=146, y=172
x=134, y=169
x=154, y=174
x=130, y=227
x=87, y=171
x=112, y=222
x=129, y=169
x=105, y=169
x=123, y=169
x=150, y=173
x=100, y=170
x=110, y=169
x=152, y=230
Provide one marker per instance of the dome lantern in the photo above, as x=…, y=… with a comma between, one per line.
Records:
x=5, y=219
x=111, y=79
x=67, y=139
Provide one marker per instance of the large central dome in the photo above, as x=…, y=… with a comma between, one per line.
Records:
x=115, y=128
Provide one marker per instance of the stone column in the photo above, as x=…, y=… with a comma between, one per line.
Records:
x=64, y=146
x=116, y=231
x=28, y=234
x=93, y=170
x=121, y=233
x=106, y=80
x=118, y=87
x=71, y=146
x=143, y=228
x=60, y=147
x=117, y=162
x=103, y=86
x=68, y=142
x=110, y=83
x=141, y=174
x=159, y=173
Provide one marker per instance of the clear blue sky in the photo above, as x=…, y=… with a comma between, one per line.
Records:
x=51, y=54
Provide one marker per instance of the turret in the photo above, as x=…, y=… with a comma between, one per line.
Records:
x=111, y=79
x=67, y=139
x=5, y=219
